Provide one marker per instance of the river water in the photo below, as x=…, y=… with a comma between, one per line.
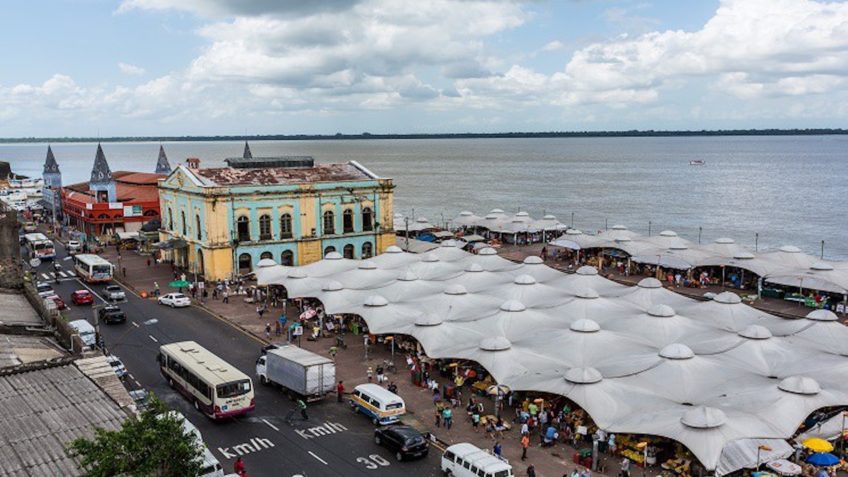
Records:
x=788, y=189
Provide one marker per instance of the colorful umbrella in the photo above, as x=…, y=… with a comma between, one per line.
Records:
x=823, y=459
x=817, y=445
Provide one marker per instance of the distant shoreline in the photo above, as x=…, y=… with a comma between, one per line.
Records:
x=506, y=135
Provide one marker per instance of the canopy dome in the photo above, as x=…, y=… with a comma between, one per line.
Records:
x=524, y=280
x=728, y=298
x=581, y=375
x=333, y=256
x=703, y=417
x=533, y=260
x=585, y=325
x=495, y=343
x=800, y=385
x=677, y=351
x=513, y=306
x=661, y=311
x=376, y=300
x=755, y=332
x=586, y=270
x=822, y=315
x=649, y=282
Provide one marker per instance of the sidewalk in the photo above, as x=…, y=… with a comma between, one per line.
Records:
x=351, y=368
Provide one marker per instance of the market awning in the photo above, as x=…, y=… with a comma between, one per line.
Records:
x=127, y=235
x=172, y=244
x=742, y=454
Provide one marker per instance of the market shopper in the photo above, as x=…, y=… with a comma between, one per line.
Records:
x=447, y=416
x=525, y=443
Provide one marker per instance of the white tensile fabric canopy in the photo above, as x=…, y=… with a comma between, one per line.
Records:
x=640, y=360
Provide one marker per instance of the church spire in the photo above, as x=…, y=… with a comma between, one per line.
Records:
x=100, y=173
x=162, y=166
x=50, y=164
x=247, y=154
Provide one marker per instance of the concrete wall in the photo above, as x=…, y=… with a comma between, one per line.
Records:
x=11, y=274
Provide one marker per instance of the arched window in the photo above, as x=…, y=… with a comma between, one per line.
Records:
x=367, y=219
x=329, y=249
x=348, y=251
x=244, y=264
x=286, y=226
x=182, y=218
x=197, y=225
x=329, y=223
x=347, y=221
x=266, y=255
x=243, y=225
x=170, y=219
x=367, y=250
x=265, y=227
x=287, y=258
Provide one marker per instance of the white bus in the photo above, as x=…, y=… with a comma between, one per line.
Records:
x=215, y=387
x=39, y=246
x=92, y=268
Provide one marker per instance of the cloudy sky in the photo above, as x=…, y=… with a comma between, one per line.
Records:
x=173, y=67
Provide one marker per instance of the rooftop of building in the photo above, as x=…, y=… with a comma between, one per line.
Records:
x=272, y=161
x=16, y=350
x=17, y=310
x=129, y=187
x=231, y=176
x=42, y=410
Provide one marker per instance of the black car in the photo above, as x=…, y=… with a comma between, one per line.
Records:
x=404, y=441
x=111, y=314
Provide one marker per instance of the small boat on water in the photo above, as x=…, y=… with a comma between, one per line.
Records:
x=698, y=162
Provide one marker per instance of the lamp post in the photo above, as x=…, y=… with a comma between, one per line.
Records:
x=761, y=448
x=644, y=447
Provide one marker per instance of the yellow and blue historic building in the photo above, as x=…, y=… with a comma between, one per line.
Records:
x=220, y=222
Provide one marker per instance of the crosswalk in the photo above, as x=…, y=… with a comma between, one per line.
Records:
x=62, y=274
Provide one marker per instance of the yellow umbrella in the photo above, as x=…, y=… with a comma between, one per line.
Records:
x=817, y=445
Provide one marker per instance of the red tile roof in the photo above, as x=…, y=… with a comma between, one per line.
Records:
x=130, y=187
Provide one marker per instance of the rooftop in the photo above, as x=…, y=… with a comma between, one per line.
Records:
x=129, y=186
x=231, y=176
x=16, y=350
x=276, y=161
x=17, y=310
x=42, y=411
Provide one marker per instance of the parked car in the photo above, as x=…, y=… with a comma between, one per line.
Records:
x=404, y=441
x=111, y=314
x=468, y=460
x=60, y=303
x=44, y=288
x=74, y=247
x=117, y=365
x=30, y=227
x=82, y=297
x=114, y=293
x=174, y=300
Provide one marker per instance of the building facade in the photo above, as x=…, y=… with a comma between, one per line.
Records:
x=220, y=222
x=52, y=188
x=111, y=202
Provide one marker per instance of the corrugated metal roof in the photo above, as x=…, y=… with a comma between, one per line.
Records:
x=42, y=411
x=229, y=176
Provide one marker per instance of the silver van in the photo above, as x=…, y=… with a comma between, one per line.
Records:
x=85, y=331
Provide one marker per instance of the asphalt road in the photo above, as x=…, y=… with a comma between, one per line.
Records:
x=269, y=446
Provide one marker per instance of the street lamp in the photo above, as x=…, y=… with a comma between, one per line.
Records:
x=644, y=447
x=761, y=448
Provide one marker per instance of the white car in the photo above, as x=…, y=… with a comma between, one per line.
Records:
x=174, y=300
x=114, y=293
x=117, y=365
x=74, y=246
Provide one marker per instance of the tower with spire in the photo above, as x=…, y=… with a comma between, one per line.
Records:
x=247, y=154
x=102, y=182
x=51, y=174
x=162, y=166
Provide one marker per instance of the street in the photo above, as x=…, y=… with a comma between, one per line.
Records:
x=334, y=441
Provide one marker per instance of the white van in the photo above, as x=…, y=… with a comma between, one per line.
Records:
x=467, y=460
x=211, y=466
x=85, y=331
x=381, y=405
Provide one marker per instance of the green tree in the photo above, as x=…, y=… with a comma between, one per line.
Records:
x=154, y=444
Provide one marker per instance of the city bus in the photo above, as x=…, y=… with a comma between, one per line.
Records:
x=39, y=246
x=92, y=268
x=216, y=388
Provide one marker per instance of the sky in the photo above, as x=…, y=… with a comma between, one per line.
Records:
x=232, y=67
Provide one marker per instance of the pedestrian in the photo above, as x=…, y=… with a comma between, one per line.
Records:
x=226, y=295
x=447, y=416
x=155, y=288
x=148, y=261
x=380, y=376
x=260, y=311
x=490, y=428
x=333, y=351
x=302, y=406
x=268, y=331
x=524, y=429
x=124, y=271
x=370, y=373
x=438, y=417
x=531, y=471
x=497, y=450
x=238, y=466
x=525, y=443
x=340, y=391
x=625, y=467
x=475, y=420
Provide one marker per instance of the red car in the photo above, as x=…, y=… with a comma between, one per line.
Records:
x=82, y=297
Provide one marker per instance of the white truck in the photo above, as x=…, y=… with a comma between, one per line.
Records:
x=299, y=372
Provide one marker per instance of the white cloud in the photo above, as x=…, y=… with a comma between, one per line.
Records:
x=553, y=46
x=130, y=70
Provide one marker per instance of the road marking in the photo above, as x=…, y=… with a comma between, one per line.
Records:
x=319, y=459
x=131, y=377
x=63, y=274
x=319, y=431
x=255, y=445
x=135, y=324
x=154, y=339
x=271, y=425
x=45, y=276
